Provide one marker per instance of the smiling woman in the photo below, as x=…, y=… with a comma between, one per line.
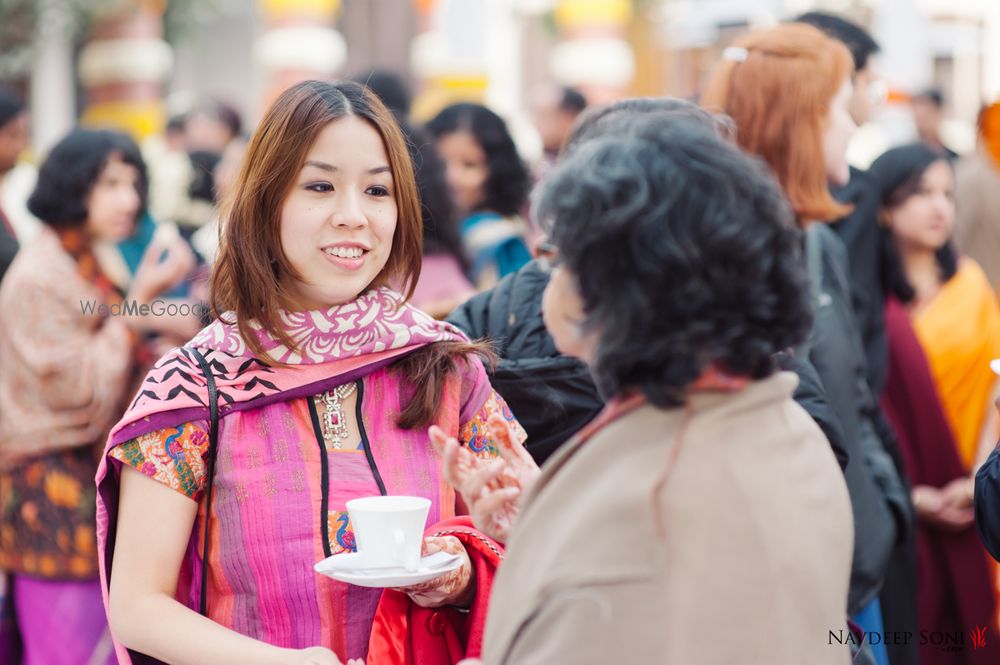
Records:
x=316, y=386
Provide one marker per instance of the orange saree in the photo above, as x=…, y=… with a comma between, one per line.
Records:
x=959, y=331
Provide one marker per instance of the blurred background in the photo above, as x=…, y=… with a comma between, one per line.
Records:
x=137, y=63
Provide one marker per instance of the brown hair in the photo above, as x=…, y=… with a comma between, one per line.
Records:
x=777, y=84
x=252, y=270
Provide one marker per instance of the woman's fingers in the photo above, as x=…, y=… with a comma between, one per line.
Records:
x=501, y=434
x=480, y=479
x=450, y=544
x=438, y=439
x=498, y=501
x=455, y=462
x=510, y=449
x=495, y=512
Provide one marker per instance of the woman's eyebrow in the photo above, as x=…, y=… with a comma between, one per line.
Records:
x=331, y=168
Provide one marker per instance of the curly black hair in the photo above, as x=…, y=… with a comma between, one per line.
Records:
x=508, y=183
x=594, y=121
x=71, y=169
x=685, y=253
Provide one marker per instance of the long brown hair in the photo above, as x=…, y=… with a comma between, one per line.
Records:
x=777, y=85
x=252, y=270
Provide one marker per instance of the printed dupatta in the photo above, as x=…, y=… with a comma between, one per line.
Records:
x=336, y=346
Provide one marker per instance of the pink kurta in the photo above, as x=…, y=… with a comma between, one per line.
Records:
x=279, y=493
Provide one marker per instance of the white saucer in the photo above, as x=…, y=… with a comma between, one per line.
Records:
x=349, y=567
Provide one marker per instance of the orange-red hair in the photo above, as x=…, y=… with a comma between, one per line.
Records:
x=989, y=131
x=777, y=84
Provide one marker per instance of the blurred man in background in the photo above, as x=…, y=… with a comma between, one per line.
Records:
x=554, y=110
x=928, y=114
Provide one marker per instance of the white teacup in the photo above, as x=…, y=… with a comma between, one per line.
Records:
x=389, y=530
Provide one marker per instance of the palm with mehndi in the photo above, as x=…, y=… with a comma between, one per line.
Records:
x=491, y=489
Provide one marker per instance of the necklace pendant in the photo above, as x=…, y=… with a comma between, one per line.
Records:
x=334, y=425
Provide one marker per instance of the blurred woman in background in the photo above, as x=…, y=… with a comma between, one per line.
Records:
x=489, y=186
x=943, y=324
x=70, y=358
x=442, y=285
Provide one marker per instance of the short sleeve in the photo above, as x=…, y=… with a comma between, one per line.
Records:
x=475, y=433
x=174, y=456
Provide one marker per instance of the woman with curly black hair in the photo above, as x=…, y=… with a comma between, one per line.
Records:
x=489, y=185
x=688, y=509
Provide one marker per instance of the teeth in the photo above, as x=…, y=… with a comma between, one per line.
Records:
x=345, y=252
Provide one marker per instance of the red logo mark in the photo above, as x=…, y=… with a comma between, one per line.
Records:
x=978, y=635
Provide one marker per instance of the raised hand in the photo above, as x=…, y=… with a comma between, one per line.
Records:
x=154, y=276
x=491, y=489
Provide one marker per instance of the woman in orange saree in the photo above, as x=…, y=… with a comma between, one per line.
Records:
x=943, y=324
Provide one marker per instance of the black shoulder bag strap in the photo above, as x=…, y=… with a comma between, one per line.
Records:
x=213, y=448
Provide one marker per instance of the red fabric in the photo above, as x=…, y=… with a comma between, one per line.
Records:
x=955, y=592
x=406, y=634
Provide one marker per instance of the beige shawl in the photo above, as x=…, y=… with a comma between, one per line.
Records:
x=64, y=370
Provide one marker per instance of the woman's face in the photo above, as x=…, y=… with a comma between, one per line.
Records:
x=113, y=202
x=467, y=169
x=338, y=220
x=839, y=129
x=925, y=220
x=562, y=310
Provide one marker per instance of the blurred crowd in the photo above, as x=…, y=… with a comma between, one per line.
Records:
x=705, y=272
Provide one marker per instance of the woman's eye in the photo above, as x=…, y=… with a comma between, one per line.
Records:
x=378, y=190
x=322, y=187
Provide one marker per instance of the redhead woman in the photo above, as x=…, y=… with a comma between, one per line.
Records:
x=803, y=139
